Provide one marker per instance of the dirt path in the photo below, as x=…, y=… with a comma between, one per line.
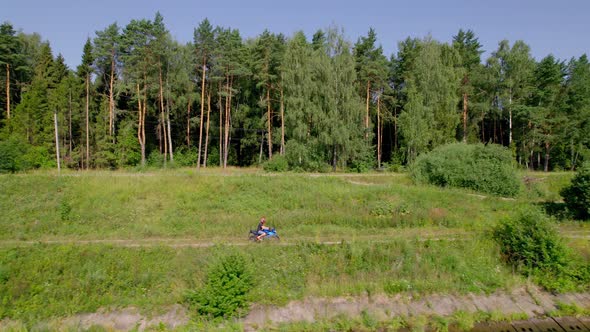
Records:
x=439, y=235
x=530, y=302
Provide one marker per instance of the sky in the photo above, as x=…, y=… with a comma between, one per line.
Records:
x=561, y=28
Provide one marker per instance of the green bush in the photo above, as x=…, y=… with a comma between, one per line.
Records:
x=276, y=164
x=364, y=162
x=530, y=241
x=226, y=289
x=577, y=195
x=186, y=157
x=483, y=168
x=10, y=152
x=16, y=155
x=531, y=244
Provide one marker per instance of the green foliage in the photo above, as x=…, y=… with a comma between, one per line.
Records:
x=11, y=153
x=276, y=164
x=363, y=163
x=16, y=155
x=185, y=157
x=482, y=168
x=65, y=209
x=225, y=293
x=76, y=279
x=531, y=243
x=577, y=194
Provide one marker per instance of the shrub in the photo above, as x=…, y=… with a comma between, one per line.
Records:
x=364, y=162
x=531, y=244
x=479, y=167
x=16, y=155
x=577, y=194
x=226, y=289
x=276, y=164
x=10, y=152
x=186, y=157
x=529, y=241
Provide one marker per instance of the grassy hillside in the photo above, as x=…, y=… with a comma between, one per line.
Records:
x=386, y=236
x=103, y=205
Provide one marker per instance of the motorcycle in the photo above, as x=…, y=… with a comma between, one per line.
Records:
x=271, y=234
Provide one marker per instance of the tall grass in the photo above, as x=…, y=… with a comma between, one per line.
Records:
x=46, y=281
x=214, y=206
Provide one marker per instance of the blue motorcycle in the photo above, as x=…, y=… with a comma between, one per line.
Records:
x=271, y=234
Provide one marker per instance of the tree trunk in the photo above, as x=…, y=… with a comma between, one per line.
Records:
x=7, y=91
x=334, y=159
x=367, y=110
x=269, y=119
x=378, y=133
x=188, y=122
x=510, y=118
x=111, y=97
x=163, y=115
x=394, y=128
x=202, y=111
x=140, y=124
x=169, y=131
x=227, y=120
x=87, y=122
x=501, y=133
x=207, y=129
x=221, y=112
x=282, y=152
x=70, y=122
x=546, y=167
x=465, y=117
x=483, y=128
x=56, y=142
x=261, y=146
x=495, y=132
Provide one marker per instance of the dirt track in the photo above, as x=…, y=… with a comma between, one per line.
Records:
x=529, y=301
x=196, y=243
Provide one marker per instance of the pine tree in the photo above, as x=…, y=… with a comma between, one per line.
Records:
x=204, y=42
x=84, y=72
x=372, y=71
x=469, y=49
x=10, y=58
x=577, y=106
x=139, y=62
x=106, y=61
x=547, y=115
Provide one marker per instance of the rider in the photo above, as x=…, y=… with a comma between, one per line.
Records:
x=260, y=230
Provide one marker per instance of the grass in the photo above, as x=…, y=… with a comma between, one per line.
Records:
x=45, y=281
x=377, y=223
x=219, y=207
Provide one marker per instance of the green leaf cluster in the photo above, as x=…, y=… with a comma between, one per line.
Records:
x=577, y=194
x=225, y=293
x=483, y=168
x=530, y=243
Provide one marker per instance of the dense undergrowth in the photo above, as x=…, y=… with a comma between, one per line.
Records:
x=484, y=168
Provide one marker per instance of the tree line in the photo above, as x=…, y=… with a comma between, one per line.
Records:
x=140, y=97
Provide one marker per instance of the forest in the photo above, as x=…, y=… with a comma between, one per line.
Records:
x=141, y=98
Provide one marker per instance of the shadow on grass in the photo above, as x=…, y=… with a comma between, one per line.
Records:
x=555, y=209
